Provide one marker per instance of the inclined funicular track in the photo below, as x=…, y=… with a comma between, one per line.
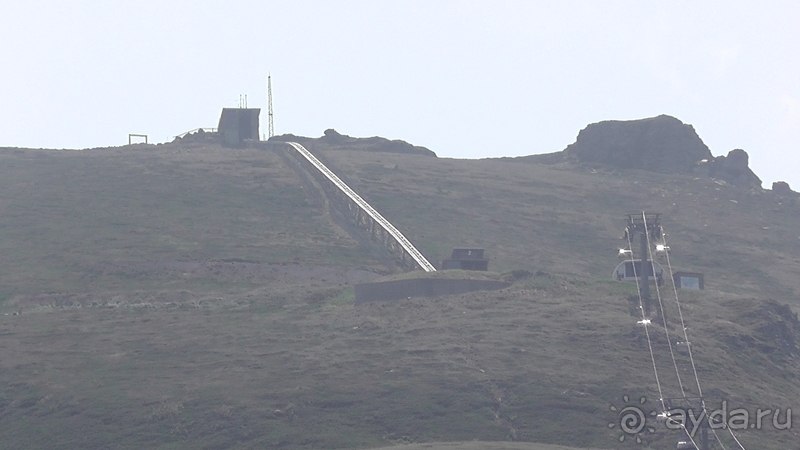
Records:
x=376, y=218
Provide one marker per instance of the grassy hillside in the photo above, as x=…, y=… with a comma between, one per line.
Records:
x=121, y=218
x=478, y=446
x=570, y=218
x=183, y=296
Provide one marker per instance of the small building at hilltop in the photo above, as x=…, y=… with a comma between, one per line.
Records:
x=466, y=259
x=238, y=125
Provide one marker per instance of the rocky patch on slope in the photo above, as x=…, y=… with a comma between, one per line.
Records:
x=766, y=326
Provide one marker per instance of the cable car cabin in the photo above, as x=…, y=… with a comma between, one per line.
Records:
x=631, y=269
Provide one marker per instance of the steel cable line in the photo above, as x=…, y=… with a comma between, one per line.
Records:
x=661, y=306
x=645, y=322
x=691, y=355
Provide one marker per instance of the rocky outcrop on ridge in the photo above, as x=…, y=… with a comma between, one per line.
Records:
x=332, y=140
x=659, y=144
x=782, y=189
x=733, y=169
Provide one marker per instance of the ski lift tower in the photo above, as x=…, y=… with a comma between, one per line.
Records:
x=647, y=226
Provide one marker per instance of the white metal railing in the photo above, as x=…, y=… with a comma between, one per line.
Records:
x=415, y=254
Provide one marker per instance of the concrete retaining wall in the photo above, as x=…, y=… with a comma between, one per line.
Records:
x=425, y=287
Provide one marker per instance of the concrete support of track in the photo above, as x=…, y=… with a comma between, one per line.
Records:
x=424, y=287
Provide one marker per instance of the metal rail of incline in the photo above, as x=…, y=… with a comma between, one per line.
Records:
x=409, y=248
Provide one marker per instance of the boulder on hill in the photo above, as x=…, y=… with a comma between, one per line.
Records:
x=659, y=144
x=734, y=169
x=333, y=140
x=782, y=188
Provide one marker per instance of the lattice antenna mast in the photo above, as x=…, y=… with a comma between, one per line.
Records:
x=269, y=106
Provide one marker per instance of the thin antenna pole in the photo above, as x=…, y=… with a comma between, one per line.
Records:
x=269, y=105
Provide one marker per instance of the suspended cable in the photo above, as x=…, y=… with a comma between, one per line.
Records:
x=645, y=322
x=661, y=304
x=691, y=355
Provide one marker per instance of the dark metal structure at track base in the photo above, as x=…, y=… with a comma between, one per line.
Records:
x=466, y=259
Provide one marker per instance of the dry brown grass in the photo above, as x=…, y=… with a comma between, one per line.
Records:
x=569, y=219
x=477, y=446
x=197, y=297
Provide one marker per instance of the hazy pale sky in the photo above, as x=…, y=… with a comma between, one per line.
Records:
x=466, y=79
